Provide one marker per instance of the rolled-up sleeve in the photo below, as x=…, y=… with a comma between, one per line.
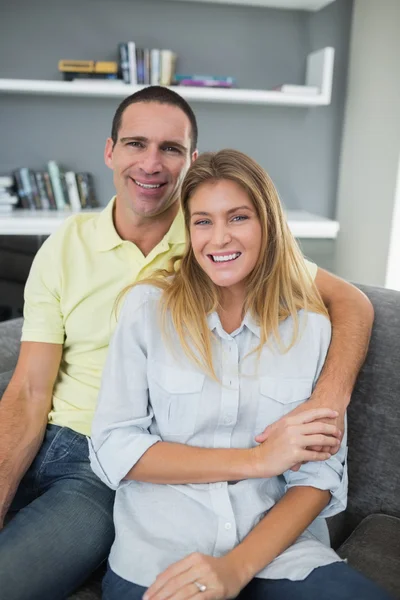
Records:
x=329, y=475
x=120, y=431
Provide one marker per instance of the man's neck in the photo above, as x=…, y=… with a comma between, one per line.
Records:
x=144, y=232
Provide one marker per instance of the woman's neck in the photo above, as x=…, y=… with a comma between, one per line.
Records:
x=231, y=311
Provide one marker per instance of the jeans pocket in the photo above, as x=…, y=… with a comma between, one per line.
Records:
x=65, y=443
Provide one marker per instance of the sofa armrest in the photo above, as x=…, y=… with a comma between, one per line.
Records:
x=10, y=339
x=4, y=381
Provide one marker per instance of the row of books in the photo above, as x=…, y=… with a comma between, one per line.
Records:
x=146, y=66
x=52, y=189
x=8, y=198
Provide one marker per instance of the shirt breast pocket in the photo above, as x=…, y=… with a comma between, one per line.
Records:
x=175, y=397
x=279, y=396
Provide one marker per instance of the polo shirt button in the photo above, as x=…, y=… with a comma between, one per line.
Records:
x=228, y=526
x=228, y=420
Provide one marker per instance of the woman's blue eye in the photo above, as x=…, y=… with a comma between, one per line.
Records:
x=240, y=218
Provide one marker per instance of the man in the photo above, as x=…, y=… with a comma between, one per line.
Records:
x=61, y=515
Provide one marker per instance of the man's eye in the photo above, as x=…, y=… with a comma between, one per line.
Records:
x=171, y=149
x=135, y=144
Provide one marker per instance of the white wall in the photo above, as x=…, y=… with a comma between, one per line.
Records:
x=370, y=155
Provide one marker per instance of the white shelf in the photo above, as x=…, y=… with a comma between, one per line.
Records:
x=319, y=73
x=45, y=222
x=310, y=5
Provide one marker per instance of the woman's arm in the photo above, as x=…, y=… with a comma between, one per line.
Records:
x=226, y=576
x=169, y=463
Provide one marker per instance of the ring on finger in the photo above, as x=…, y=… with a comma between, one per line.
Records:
x=200, y=586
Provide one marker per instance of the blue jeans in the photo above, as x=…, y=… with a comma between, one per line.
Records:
x=337, y=581
x=61, y=528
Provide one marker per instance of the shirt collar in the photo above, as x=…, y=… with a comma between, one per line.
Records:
x=107, y=237
x=214, y=322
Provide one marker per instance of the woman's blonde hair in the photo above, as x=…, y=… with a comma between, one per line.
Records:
x=279, y=285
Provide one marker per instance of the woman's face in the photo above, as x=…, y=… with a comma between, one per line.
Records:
x=225, y=233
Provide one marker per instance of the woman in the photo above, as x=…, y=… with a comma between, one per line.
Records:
x=202, y=360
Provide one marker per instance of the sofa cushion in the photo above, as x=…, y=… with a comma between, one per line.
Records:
x=10, y=336
x=374, y=549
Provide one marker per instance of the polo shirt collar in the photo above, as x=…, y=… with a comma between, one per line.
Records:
x=107, y=237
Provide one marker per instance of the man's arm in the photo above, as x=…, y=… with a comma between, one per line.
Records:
x=352, y=316
x=24, y=410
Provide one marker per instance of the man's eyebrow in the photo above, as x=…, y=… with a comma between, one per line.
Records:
x=140, y=138
x=230, y=211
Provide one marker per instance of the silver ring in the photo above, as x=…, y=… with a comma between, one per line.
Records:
x=201, y=587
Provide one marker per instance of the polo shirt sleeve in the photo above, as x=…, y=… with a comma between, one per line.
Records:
x=312, y=268
x=43, y=319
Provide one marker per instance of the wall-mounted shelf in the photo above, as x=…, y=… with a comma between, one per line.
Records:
x=319, y=73
x=45, y=222
x=310, y=5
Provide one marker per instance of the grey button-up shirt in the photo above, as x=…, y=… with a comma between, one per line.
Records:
x=151, y=391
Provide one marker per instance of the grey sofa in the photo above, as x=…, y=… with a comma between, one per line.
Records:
x=368, y=532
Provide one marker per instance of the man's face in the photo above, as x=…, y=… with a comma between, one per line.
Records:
x=150, y=158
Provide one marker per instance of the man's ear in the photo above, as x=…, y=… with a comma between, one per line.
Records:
x=195, y=154
x=108, y=153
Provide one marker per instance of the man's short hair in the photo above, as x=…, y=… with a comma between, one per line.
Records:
x=161, y=95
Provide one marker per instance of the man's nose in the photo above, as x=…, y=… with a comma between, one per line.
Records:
x=151, y=162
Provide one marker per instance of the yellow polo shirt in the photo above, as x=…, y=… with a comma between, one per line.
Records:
x=70, y=298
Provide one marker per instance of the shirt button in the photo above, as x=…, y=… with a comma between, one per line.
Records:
x=228, y=420
x=228, y=526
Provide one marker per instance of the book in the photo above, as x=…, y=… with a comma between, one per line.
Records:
x=155, y=66
x=140, y=65
x=34, y=190
x=180, y=77
x=6, y=181
x=147, y=66
x=301, y=90
x=26, y=183
x=49, y=190
x=10, y=199
x=56, y=183
x=91, y=77
x=215, y=83
x=167, y=68
x=124, y=62
x=45, y=202
x=73, y=191
x=19, y=186
x=133, y=77
x=86, y=190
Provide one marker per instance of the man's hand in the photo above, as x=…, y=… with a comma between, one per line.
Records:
x=292, y=439
x=198, y=576
x=312, y=403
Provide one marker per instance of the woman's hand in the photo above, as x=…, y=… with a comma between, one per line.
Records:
x=200, y=577
x=289, y=440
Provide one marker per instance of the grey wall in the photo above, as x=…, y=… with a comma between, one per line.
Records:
x=260, y=47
